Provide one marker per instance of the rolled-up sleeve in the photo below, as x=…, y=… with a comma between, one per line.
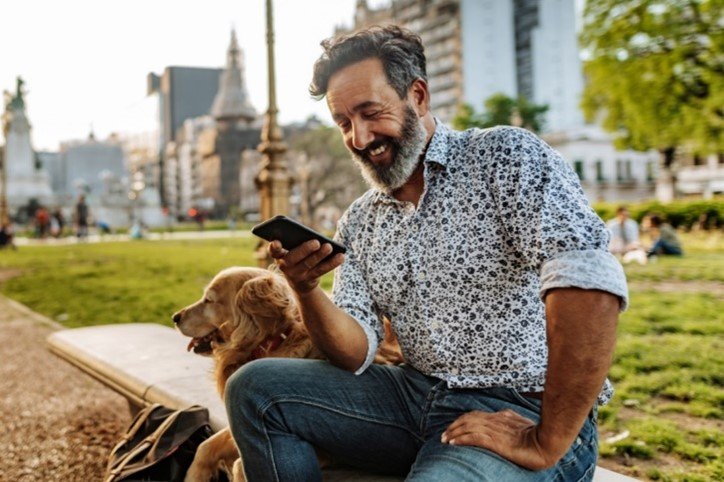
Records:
x=549, y=219
x=351, y=294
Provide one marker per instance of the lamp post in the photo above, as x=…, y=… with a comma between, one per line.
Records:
x=274, y=181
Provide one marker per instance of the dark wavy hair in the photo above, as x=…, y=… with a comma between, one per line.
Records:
x=400, y=51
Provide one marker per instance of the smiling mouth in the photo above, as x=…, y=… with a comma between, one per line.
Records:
x=378, y=150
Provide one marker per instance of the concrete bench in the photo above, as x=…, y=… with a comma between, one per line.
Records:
x=148, y=363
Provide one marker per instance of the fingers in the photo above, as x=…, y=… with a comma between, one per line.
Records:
x=276, y=250
x=305, y=264
x=482, y=428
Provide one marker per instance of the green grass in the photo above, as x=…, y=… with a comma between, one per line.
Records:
x=668, y=367
x=140, y=281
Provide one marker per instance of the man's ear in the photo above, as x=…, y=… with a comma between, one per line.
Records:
x=419, y=95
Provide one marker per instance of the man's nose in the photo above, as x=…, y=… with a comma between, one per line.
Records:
x=361, y=136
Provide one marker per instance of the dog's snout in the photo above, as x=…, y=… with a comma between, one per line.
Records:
x=177, y=318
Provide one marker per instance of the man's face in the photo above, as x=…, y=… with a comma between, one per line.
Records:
x=382, y=131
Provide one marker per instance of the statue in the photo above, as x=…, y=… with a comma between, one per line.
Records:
x=17, y=101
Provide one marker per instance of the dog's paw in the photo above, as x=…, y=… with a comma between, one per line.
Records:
x=238, y=472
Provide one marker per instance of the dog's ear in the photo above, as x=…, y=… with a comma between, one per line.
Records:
x=268, y=301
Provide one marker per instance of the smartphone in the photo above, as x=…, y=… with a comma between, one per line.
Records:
x=291, y=233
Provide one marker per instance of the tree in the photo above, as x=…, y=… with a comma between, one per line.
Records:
x=502, y=110
x=331, y=178
x=655, y=75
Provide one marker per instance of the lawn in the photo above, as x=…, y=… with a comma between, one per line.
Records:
x=665, y=422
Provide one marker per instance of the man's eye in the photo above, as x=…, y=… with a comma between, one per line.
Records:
x=371, y=115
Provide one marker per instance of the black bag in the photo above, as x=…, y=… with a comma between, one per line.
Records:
x=159, y=445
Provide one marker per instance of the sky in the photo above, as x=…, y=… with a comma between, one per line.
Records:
x=84, y=62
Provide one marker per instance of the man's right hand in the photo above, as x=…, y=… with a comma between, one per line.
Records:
x=304, y=265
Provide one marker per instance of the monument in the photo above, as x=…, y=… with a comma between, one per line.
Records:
x=25, y=180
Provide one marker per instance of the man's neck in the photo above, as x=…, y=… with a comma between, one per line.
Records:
x=413, y=188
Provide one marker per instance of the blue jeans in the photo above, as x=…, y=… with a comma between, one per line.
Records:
x=387, y=420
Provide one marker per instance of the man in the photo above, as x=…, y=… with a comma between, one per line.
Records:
x=459, y=241
x=665, y=240
x=81, y=217
x=624, y=232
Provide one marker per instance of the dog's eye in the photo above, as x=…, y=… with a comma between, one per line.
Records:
x=206, y=300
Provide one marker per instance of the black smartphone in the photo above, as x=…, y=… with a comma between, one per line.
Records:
x=291, y=233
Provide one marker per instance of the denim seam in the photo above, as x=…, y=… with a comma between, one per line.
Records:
x=264, y=408
x=428, y=406
x=269, y=448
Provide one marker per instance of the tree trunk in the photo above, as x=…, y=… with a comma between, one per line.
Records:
x=666, y=179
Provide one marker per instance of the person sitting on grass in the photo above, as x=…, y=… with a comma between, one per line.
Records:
x=666, y=242
x=6, y=234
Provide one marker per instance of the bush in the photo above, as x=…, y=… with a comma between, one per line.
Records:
x=682, y=214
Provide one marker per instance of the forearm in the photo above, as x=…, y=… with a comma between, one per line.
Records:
x=581, y=332
x=333, y=331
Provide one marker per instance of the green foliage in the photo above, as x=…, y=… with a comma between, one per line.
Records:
x=684, y=214
x=502, y=110
x=654, y=72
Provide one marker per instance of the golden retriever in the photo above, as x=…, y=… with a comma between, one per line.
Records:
x=245, y=314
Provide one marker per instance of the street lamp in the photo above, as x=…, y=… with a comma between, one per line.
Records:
x=274, y=181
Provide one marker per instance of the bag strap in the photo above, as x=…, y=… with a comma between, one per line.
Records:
x=136, y=425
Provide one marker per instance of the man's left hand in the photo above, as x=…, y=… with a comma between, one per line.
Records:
x=506, y=433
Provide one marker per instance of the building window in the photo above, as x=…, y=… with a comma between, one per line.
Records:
x=698, y=160
x=649, y=171
x=599, y=171
x=578, y=166
x=623, y=170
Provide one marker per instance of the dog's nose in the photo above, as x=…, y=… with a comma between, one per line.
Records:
x=177, y=317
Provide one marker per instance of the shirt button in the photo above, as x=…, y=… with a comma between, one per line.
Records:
x=435, y=325
x=454, y=371
x=421, y=276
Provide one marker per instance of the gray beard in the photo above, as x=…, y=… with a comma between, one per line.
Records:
x=405, y=157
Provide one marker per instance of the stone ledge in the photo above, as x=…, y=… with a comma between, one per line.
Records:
x=148, y=363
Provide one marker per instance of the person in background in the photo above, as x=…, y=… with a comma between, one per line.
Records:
x=624, y=232
x=625, y=237
x=665, y=240
x=6, y=234
x=57, y=223
x=81, y=217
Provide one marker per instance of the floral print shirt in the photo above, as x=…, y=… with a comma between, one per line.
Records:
x=462, y=276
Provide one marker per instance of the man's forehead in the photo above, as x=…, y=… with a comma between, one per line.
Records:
x=357, y=86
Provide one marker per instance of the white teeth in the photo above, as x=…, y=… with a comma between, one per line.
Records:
x=378, y=151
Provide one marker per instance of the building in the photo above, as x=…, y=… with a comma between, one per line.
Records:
x=183, y=93
x=607, y=174
x=203, y=162
x=699, y=176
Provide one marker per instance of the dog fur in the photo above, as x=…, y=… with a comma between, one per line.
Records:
x=244, y=314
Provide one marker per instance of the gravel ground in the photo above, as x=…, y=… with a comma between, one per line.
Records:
x=57, y=424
